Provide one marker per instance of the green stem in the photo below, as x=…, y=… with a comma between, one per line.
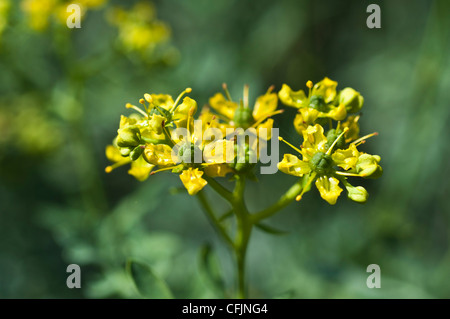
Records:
x=284, y=200
x=222, y=191
x=209, y=211
x=243, y=231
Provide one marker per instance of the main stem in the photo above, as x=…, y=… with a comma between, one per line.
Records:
x=244, y=221
x=243, y=231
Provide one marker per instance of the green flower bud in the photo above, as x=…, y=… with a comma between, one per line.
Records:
x=352, y=100
x=136, y=152
x=243, y=117
x=357, y=194
x=189, y=153
x=241, y=162
x=321, y=163
x=317, y=102
x=129, y=137
x=332, y=135
x=367, y=166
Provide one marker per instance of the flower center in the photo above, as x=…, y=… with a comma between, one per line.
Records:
x=190, y=153
x=321, y=163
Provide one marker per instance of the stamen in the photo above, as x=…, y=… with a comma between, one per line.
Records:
x=109, y=169
x=175, y=105
x=349, y=174
x=267, y=116
x=283, y=140
x=358, y=144
x=246, y=88
x=311, y=179
x=164, y=169
x=166, y=133
x=336, y=140
x=134, y=107
x=270, y=89
x=227, y=93
x=309, y=84
x=364, y=138
x=208, y=125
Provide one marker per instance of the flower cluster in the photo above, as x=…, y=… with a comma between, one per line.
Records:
x=141, y=32
x=41, y=12
x=328, y=158
x=164, y=134
x=152, y=138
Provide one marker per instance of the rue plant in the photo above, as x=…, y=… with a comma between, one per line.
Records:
x=226, y=140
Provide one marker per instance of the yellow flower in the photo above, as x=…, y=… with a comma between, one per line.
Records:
x=321, y=159
x=240, y=115
x=192, y=180
x=140, y=169
x=319, y=103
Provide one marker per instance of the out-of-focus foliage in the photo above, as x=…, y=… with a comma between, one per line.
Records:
x=61, y=91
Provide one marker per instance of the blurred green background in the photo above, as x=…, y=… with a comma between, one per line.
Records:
x=61, y=95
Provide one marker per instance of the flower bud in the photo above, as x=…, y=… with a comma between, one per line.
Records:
x=136, y=152
x=129, y=136
x=352, y=100
x=367, y=166
x=243, y=117
x=357, y=194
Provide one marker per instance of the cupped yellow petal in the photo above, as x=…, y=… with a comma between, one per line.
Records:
x=221, y=151
x=113, y=154
x=292, y=165
x=192, y=180
x=218, y=170
x=264, y=130
x=223, y=106
x=314, y=140
x=329, y=188
x=353, y=128
x=289, y=97
x=367, y=166
x=265, y=104
x=156, y=123
x=162, y=100
x=338, y=113
x=346, y=158
x=160, y=154
x=325, y=88
x=140, y=169
x=182, y=111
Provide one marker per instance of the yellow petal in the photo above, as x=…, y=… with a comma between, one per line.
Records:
x=336, y=113
x=314, y=140
x=182, y=111
x=162, y=100
x=219, y=103
x=221, y=151
x=346, y=158
x=329, y=188
x=292, y=165
x=155, y=123
x=113, y=154
x=140, y=169
x=353, y=128
x=325, y=88
x=267, y=126
x=218, y=170
x=192, y=180
x=265, y=104
x=296, y=99
x=160, y=154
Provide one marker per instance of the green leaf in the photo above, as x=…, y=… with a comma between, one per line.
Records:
x=270, y=229
x=210, y=266
x=148, y=284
